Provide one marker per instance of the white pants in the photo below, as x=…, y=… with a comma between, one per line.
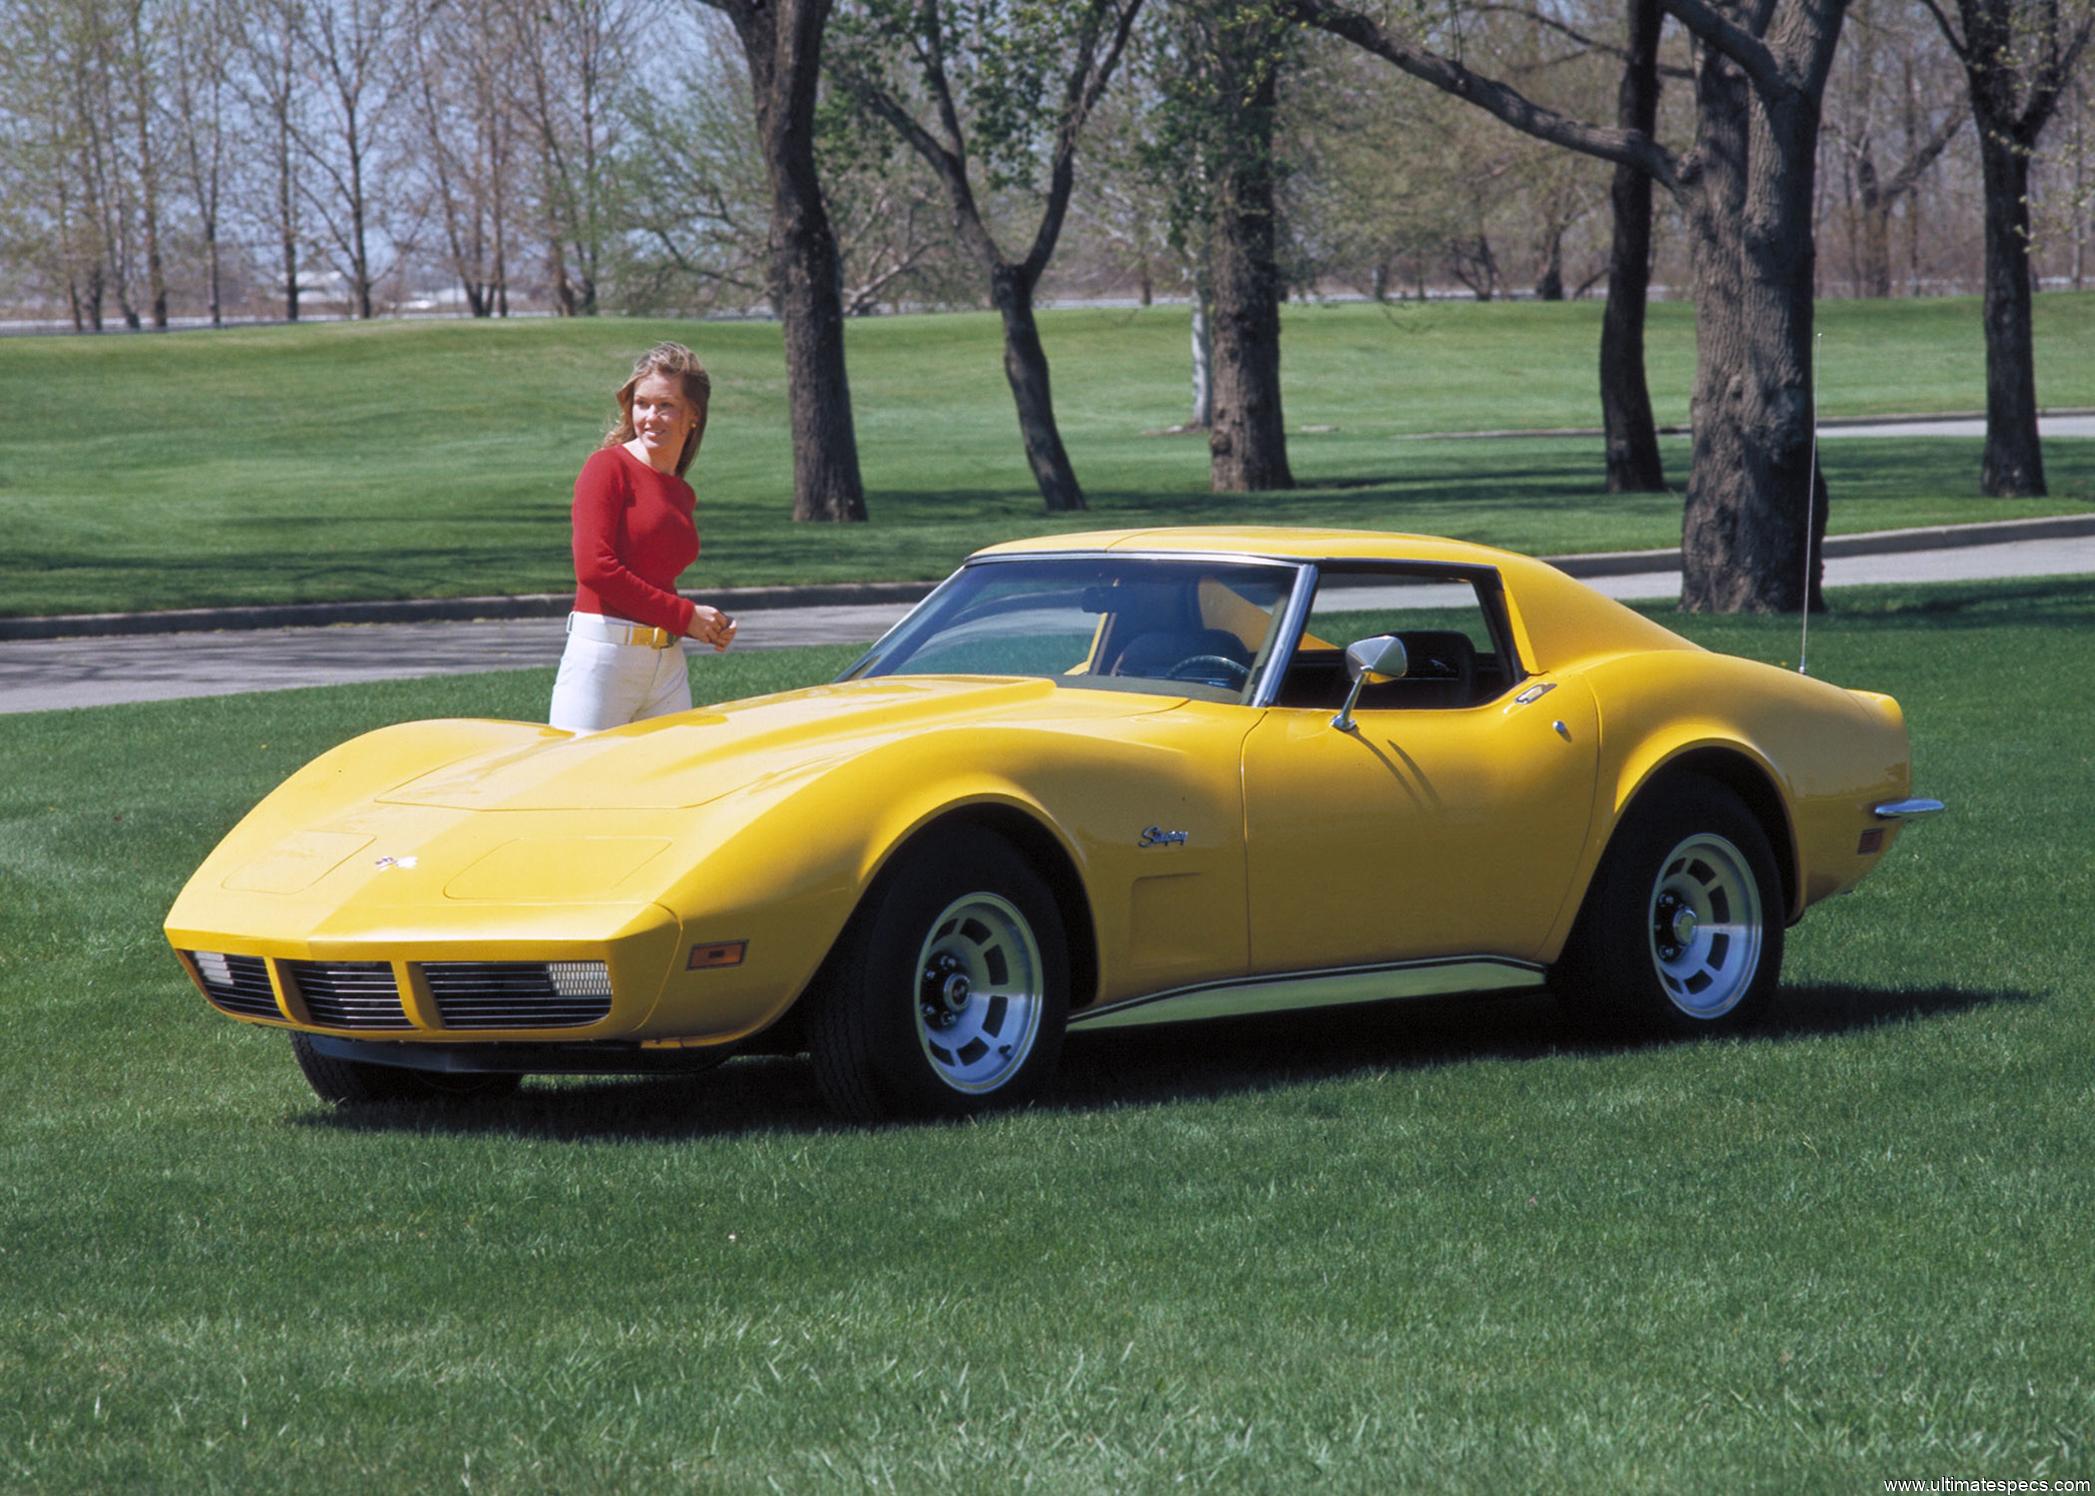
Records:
x=602, y=684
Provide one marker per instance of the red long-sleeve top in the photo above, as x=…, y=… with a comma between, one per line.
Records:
x=634, y=533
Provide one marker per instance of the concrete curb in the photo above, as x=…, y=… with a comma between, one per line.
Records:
x=1870, y=543
x=1838, y=424
x=850, y=594
x=432, y=610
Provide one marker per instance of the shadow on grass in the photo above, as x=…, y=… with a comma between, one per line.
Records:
x=2065, y=601
x=1188, y=1062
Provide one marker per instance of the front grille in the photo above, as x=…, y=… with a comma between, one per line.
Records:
x=349, y=994
x=519, y=994
x=237, y=984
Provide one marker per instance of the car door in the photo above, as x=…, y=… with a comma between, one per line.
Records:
x=1449, y=821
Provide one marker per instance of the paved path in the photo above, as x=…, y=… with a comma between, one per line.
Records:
x=2047, y=427
x=38, y=675
x=2057, y=423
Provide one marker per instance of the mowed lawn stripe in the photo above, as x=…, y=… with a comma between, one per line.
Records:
x=434, y=459
x=1444, y=1244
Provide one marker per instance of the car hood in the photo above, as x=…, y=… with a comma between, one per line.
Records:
x=694, y=757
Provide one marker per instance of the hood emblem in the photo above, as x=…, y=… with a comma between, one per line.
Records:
x=391, y=862
x=1157, y=836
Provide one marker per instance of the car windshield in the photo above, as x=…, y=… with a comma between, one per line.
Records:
x=1193, y=626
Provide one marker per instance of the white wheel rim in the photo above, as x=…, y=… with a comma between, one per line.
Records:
x=1703, y=925
x=980, y=992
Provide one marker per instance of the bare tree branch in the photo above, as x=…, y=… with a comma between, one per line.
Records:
x=1948, y=27
x=1590, y=44
x=1734, y=41
x=1623, y=147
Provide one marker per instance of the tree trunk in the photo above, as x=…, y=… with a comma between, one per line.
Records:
x=1026, y=367
x=215, y=260
x=1625, y=396
x=360, y=254
x=826, y=482
x=148, y=170
x=290, y=238
x=1756, y=505
x=783, y=42
x=556, y=271
x=1549, y=285
x=1874, y=253
x=1755, y=501
x=281, y=102
x=2014, y=463
x=1247, y=439
x=1203, y=361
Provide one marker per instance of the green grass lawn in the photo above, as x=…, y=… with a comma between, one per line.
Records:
x=1436, y=1246
x=426, y=459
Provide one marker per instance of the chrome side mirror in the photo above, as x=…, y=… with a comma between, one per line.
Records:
x=1373, y=661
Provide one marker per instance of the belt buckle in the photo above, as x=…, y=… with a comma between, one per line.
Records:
x=657, y=638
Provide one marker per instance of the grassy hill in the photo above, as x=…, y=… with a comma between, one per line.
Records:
x=418, y=459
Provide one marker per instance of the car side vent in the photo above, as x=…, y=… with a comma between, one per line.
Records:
x=237, y=984
x=349, y=994
x=519, y=994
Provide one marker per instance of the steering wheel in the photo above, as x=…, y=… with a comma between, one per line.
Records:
x=1205, y=667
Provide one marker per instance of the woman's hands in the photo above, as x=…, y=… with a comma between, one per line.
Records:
x=711, y=626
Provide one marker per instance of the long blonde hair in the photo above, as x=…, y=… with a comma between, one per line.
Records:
x=674, y=361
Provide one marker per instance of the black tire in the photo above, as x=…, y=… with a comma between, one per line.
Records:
x=947, y=993
x=355, y=1083
x=1682, y=930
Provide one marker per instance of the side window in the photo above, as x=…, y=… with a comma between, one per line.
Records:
x=1453, y=631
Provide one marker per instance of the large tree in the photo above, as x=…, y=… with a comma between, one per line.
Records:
x=1756, y=502
x=273, y=83
x=350, y=48
x=782, y=40
x=47, y=232
x=138, y=48
x=570, y=56
x=1217, y=68
x=1632, y=437
x=1891, y=111
x=1241, y=48
x=200, y=39
x=458, y=63
x=2018, y=57
x=1021, y=79
x=697, y=200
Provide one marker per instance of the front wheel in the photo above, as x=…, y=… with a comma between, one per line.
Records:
x=948, y=992
x=1682, y=929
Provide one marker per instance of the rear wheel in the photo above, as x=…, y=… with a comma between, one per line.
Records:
x=1682, y=931
x=356, y=1083
x=947, y=994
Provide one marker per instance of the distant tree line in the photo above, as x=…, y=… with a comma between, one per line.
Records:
x=821, y=159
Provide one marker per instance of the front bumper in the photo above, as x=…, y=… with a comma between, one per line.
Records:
x=600, y=978
x=609, y=1057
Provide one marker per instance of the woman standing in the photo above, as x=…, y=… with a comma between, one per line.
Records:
x=634, y=534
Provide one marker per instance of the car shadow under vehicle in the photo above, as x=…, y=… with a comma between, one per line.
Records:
x=1134, y=1067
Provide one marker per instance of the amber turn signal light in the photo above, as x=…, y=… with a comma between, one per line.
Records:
x=724, y=953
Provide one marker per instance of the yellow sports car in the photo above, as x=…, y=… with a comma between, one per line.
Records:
x=1091, y=781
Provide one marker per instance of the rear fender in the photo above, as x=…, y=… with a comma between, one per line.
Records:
x=1704, y=748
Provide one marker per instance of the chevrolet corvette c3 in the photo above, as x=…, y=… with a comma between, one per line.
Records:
x=1091, y=781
